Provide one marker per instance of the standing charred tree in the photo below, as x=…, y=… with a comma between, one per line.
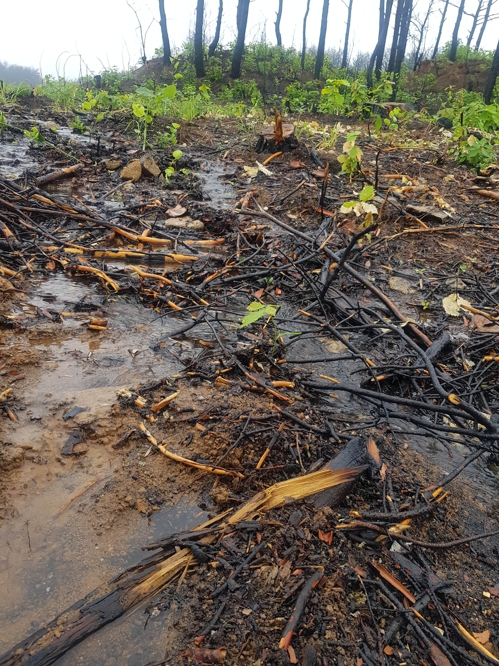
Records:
x=198, y=41
x=484, y=23
x=423, y=29
x=491, y=81
x=396, y=33
x=242, y=23
x=304, y=42
x=476, y=18
x=455, y=34
x=167, y=52
x=405, y=25
x=440, y=28
x=319, y=60
x=216, y=38
x=379, y=49
x=344, y=60
x=278, y=24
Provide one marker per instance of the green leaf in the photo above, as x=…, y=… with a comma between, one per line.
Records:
x=254, y=306
x=379, y=123
x=270, y=311
x=367, y=193
x=252, y=317
x=177, y=154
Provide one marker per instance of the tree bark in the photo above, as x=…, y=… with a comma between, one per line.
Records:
x=379, y=49
x=198, y=40
x=167, y=53
x=344, y=61
x=484, y=24
x=404, y=34
x=319, y=61
x=216, y=38
x=396, y=33
x=455, y=34
x=441, y=27
x=242, y=23
x=491, y=81
x=475, y=23
x=278, y=24
x=304, y=43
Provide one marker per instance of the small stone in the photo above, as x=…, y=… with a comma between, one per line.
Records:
x=132, y=171
x=112, y=165
x=149, y=166
x=185, y=223
x=142, y=506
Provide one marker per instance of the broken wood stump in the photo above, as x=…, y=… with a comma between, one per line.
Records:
x=279, y=138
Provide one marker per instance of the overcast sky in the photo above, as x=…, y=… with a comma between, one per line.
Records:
x=49, y=35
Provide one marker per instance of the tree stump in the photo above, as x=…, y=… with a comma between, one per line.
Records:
x=281, y=137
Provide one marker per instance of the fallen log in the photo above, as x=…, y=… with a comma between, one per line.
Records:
x=141, y=582
x=56, y=175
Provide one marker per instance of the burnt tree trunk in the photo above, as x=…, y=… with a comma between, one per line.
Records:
x=242, y=23
x=491, y=81
x=216, y=38
x=278, y=24
x=440, y=28
x=405, y=25
x=474, y=25
x=484, y=24
x=383, y=17
x=379, y=61
x=344, y=61
x=455, y=34
x=396, y=33
x=304, y=43
x=379, y=49
x=167, y=52
x=198, y=40
x=319, y=61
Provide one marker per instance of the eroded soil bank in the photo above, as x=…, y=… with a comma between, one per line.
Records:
x=83, y=489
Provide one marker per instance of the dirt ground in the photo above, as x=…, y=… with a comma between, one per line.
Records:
x=83, y=364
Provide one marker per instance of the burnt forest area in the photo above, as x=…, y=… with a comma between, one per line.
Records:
x=249, y=354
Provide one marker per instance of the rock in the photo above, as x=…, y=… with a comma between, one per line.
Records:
x=132, y=171
x=142, y=506
x=185, y=223
x=429, y=211
x=149, y=166
x=401, y=285
x=112, y=165
x=6, y=285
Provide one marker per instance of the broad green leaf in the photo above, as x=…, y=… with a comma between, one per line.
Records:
x=177, y=154
x=270, y=311
x=252, y=317
x=367, y=193
x=379, y=123
x=254, y=306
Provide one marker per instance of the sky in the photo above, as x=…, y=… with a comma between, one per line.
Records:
x=58, y=37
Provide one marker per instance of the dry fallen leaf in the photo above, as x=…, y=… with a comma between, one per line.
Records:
x=178, y=211
x=439, y=658
x=484, y=325
x=327, y=537
x=296, y=164
x=388, y=650
x=452, y=304
x=483, y=637
x=401, y=285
